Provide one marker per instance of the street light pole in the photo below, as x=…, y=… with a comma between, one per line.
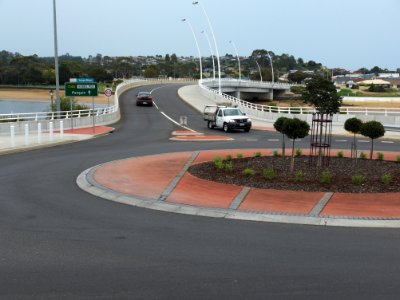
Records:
x=272, y=73
x=215, y=44
x=58, y=106
x=212, y=52
x=259, y=70
x=197, y=45
x=238, y=59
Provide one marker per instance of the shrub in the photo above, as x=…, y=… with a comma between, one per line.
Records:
x=257, y=154
x=386, y=179
x=228, y=157
x=326, y=177
x=239, y=156
x=358, y=179
x=340, y=154
x=218, y=163
x=269, y=174
x=398, y=158
x=249, y=172
x=228, y=167
x=298, y=152
x=363, y=155
x=276, y=153
x=299, y=177
x=379, y=155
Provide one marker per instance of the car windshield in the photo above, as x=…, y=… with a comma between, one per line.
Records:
x=144, y=94
x=233, y=112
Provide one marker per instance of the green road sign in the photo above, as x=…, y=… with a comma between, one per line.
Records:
x=74, y=89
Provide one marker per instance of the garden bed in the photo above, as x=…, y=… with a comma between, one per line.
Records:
x=342, y=175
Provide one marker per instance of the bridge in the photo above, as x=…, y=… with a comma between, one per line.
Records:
x=248, y=90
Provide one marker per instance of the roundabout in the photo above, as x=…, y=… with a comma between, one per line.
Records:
x=162, y=182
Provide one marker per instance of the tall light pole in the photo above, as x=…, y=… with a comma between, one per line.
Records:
x=259, y=69
x=238, y=59
x=215, y=43
x=272, y=73
x=212, y=52
x=58, y=106
x=197, y=45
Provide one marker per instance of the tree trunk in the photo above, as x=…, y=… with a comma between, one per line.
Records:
x=292, y=160
x=372, y=149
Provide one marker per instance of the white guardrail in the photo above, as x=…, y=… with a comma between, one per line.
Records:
x=387, y=116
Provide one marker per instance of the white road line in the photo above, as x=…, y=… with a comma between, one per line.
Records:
x=273, y=140
x=175, y=122
x=341, y=141
x=363, y=141
x=387, y=142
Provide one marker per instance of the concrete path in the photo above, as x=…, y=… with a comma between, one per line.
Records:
x=162, y=182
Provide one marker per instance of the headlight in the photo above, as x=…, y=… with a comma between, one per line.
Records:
x=231, y=121
x=249, y=120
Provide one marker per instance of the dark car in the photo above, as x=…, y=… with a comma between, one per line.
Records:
x=144, y=98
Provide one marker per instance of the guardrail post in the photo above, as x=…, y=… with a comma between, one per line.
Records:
x=366, y=111
x=62, y=129
x=386, y=113
x=36, y=117
x=26, y=141
x=12, y=132
x=39, y=133
x=51, y=128
x=301, y=110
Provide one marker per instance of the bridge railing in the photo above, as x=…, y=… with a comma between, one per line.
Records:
x=388, y=116
x=247, y=83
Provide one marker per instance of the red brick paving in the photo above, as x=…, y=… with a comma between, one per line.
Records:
x=89, y=130
x=292, y=202
x=198, y=192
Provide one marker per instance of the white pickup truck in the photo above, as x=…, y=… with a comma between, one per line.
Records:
x=226, y=118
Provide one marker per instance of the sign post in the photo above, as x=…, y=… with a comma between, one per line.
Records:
x=108, y=94
x=83, y=87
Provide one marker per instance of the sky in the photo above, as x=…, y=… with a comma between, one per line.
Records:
x=348, y=34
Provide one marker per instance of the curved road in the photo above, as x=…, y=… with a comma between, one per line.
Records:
x=58, y=242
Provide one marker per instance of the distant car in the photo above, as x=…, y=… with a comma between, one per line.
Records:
x=144, y=98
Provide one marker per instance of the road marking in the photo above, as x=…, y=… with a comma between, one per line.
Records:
x=387, y=142
x=175, y=122
x=363, y=141
x=341, y=141
x=251, y=140
x=273, y=140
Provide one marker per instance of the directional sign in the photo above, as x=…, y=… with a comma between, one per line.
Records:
x=73, y=89
x=82, y=80
x=108, y=92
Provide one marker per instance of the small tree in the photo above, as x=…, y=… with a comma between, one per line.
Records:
x=353, y=125
x=295, y=129
x=373, y=130
x=278, y=125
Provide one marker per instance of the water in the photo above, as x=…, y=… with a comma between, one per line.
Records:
x=8, y=106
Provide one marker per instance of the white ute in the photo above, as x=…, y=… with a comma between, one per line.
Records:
x=226, y=118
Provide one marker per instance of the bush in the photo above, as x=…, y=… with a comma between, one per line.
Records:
x=379, y=156
x=228, y=167
x=297, y=89
x=218, y=163
x=257, y=154
x=340, y=154
x=326, y=177
x=249, y=172
x=298, y=152
x=398, y=158
x=276, y=153
x=299, y=177
x=269, y=174
x=239, y=156
x=363, y=155
x=386, y=179
x=358, y=179
x=228, y=157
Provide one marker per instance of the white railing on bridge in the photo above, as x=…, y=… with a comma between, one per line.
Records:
x=247, y=83
x=387, y=116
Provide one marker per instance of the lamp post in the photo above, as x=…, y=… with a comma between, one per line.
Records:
x=259, y=70
x=58, y=106
x=272, y=73
x=212, y=52
x=238, y=59
x=215, y=44
x=197, y=45
x=51, y=99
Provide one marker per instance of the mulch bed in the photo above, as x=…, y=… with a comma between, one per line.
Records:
x=341, y=171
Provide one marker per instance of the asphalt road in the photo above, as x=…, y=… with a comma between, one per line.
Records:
x=58, y=242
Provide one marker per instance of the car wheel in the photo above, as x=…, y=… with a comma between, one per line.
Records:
x=225, y=127
x=210, y=125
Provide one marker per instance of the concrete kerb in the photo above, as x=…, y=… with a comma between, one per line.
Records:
x=87, y=183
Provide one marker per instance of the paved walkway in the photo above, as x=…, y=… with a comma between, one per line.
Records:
x=162, y=182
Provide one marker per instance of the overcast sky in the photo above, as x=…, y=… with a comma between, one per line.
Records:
x=343, y=33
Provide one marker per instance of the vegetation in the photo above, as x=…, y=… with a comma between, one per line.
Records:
x=373, y=130
x=353, y=125
x=249, y=172
x=278, y=125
